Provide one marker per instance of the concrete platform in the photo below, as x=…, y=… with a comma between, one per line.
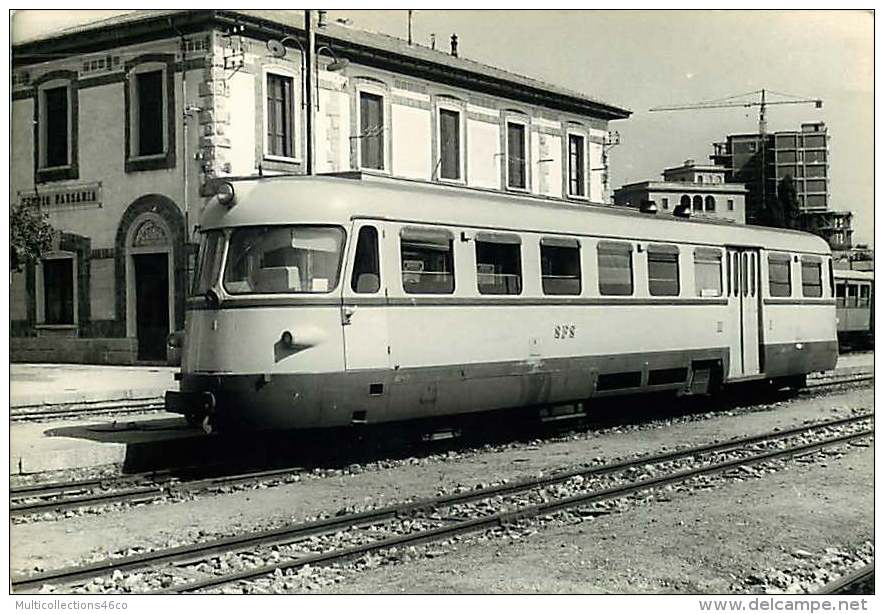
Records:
x=131, y=444
x=66, y=384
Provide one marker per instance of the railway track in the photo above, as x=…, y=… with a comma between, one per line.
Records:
x=150, y=486
x=859, y=582
x=135, y=488
x=31, y=413
x=340, y=538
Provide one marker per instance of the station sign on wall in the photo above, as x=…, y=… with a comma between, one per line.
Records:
x=56, y=197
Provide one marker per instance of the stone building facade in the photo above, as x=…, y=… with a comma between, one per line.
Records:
x=119, y=126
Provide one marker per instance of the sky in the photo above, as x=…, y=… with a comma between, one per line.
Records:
x=642, y=59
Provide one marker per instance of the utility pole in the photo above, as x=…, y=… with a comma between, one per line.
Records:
x=410, y=14
x=308, y=96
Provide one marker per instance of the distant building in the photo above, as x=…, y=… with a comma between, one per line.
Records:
x=833, y=226
x=802, y=155
x=701, y=188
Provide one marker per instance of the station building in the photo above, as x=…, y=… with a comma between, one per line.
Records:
x=119, y=127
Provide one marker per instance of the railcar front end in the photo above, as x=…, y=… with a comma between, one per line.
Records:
x=263, y=329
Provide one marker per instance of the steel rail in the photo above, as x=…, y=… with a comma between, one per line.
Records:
x=294, y=532
x=168, y=485
x=842, y=584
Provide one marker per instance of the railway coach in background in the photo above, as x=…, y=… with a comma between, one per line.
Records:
x=855, y=300
x=332, y=301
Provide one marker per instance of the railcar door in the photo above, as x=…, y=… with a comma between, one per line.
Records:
x=363, y=306
x=744, y=297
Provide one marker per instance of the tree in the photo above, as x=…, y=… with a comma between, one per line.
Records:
x=30, y=235
x=786, y=215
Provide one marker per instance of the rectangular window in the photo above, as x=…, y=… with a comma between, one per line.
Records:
x=371, y=130
x=865, y=293
x=427, y=256
x=811, y=278
x=58, y=291
x=779, y=269
x=366, y=277
x=516, y=159
x=730, y=204
x=663, y=270
x=498, y=263
x=280, y=116
x=560, y=265
x=840, y=294
x=576, y=165
x=283, y=259
x=707, y=272
x=449, y=144
x=615, y=268
x=665, y=203
x=56, y=132
x=150, y=126
x=852, y=295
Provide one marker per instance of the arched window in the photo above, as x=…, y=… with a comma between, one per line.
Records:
x=698, y=203
x=685, y=201
x=710, y=203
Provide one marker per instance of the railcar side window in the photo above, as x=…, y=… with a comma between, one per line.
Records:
x=283, y=259
x=811, y=278
x=707, y=272
x=852, y=295
x=840, y=294
x=498, y=263
x=615, y=268
x=663, y=270
x=780, y=274
x=209, y=261
x=864, y=295
x=427, y=257
x=366, y=277
x=560, y=265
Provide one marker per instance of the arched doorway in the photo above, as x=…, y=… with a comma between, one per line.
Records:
x=150, y=288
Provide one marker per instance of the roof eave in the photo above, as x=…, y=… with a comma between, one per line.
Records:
x=97, y=39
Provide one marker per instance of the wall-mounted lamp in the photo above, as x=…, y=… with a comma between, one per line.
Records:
x=337, y=63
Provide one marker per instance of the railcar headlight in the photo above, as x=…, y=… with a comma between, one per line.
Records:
x=225, y=193
x=287, y=339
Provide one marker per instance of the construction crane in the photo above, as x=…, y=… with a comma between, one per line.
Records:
x=762, y=103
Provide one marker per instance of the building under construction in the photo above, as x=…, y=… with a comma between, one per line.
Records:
x=763, y=162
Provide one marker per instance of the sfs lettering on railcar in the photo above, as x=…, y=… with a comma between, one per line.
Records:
x=344, y=300
x=564, y=331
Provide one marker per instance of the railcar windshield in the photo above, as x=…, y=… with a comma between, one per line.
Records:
x=283, y=259
x=209, y=261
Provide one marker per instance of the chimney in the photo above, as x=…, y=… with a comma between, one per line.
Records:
x=323, y=19
x=432, y=41
x=454, y=45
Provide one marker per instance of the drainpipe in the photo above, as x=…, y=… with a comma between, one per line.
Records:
x=311, y=111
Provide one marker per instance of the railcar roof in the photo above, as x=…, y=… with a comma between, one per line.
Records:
x=856, y=275
x=337, y=200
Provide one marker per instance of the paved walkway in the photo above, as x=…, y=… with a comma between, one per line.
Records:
x=66, y=384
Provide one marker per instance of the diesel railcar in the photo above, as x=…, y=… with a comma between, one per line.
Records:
x=332, y=301
x=855, y=298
